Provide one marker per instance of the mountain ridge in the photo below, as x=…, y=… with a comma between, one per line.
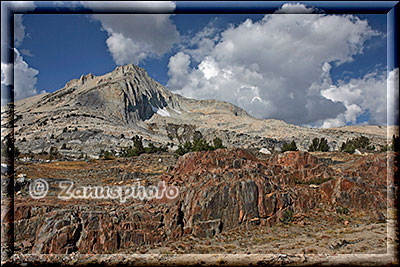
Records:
x=96, y=113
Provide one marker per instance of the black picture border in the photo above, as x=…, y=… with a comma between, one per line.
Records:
x=390, y=8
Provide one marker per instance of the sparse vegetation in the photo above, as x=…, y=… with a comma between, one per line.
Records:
x=289, y=146
x=151, y=148
x=287, y=217
x=53, y=153
x=218, y=143
x=139, y=149
x=319, y=145
x=199, y=144
x=361, y=142
x=342, y=210
x=183, y=149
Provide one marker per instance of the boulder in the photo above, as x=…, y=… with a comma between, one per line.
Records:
x=265, y=151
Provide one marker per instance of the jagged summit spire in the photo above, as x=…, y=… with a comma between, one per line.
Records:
x=87, y=77
x=128, y=68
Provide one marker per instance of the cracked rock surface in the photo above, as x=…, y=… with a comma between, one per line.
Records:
x=230, y=201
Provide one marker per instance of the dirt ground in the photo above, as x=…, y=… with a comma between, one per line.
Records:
x=346, y=234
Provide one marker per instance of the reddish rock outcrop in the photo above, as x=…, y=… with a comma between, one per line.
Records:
x=87, y=229
x=225, y=188
x=219, y=190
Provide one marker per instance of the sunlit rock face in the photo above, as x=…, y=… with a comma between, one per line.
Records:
x=95, y=113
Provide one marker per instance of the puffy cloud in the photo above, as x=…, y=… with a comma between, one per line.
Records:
x=375, y=93
x=275, y=67
x=24, y=76
x=203, y=42
x=6, y=77
x=134, y=37
x=178, y=69
x=294, y=8
x=24, y=79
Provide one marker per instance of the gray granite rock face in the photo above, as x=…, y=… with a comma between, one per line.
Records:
x=97, y=113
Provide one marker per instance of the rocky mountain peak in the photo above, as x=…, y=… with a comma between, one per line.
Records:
x=127, y=93
x=127, y=101
x=128, y=68
x=85, y=78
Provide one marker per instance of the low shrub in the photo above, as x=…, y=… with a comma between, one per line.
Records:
x=287, y=217
x=319, y=145
x=289, y=147
x=199, y=144
x=361, y=142
x=139, y=149
x=342, y=210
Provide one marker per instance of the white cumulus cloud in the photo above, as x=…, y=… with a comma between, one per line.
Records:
x=178, y=69
x=294, y=8
x=24, y=76
x=368, y=93
x=25, y=79
x=276, y=67
x=134, y=37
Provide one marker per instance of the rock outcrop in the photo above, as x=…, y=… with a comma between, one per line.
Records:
x=219, y=190
x=226, y=188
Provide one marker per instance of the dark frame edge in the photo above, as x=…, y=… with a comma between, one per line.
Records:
x=7, y=178
x=7, y=199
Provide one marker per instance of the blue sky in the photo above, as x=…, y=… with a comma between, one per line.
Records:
x=325, y=70
x=74, y=44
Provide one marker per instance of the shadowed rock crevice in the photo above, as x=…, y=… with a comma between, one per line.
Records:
x=180, y=220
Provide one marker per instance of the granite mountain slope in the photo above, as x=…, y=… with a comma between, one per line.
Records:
x=97, y=113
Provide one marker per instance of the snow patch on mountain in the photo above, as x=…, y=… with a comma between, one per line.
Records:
x=162, y=112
